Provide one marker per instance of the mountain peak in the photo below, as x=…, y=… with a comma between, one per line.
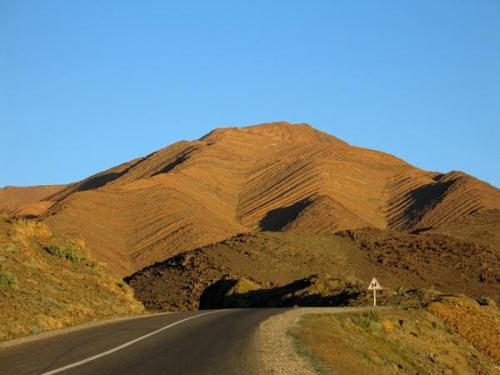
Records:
x=281, y=131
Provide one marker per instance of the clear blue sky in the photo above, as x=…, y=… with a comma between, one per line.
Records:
x=85, y=85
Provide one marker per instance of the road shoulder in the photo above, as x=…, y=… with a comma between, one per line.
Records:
x=277, y=352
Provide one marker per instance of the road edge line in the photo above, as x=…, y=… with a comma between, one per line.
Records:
x=74, y=328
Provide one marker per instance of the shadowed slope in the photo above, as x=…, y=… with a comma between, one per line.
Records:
x=266, y=258
x=324, y=215
x=271, y=259
x=428, y=201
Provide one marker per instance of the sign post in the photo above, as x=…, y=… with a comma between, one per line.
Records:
x=374, y=285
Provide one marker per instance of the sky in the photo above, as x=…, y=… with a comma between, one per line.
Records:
x=86, y=85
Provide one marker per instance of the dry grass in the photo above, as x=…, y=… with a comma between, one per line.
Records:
x=48, y=283
x=8, y=280
x=479, y=325
x=386, y=342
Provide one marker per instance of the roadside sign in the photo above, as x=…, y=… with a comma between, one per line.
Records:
x=375, y=285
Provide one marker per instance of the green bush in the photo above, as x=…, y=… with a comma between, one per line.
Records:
x=371, y=315
x=8, y=280
x=365, y=320
x=65, y=252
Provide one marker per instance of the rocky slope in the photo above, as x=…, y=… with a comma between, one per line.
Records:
x=271, y=266
x=267, y=259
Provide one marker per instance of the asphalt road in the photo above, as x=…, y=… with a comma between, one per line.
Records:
x=200, y=342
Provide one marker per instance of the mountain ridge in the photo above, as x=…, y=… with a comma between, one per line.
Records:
x=273, y=176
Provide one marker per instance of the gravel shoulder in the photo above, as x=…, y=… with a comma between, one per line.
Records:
x=277, y=354
x=382, y=341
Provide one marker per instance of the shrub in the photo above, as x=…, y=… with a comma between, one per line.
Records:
x=362, y=322
x=365, y=320
x=8, y=280
x=485, y=301
x=122, y=285
x=372, y=316
x=65, y=252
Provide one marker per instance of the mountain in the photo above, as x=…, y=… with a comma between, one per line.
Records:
x=269, y=177
x=27, y=201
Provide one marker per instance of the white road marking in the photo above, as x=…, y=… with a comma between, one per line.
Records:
x=123, y=346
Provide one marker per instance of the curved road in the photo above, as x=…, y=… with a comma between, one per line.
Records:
x=199, y=342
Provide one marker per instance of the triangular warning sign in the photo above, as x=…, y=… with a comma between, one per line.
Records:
x=374, y=285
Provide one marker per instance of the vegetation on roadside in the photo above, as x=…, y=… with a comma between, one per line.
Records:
x=478, y=324
x=8, y=280
x=396, y=341
x=49, y=282
x=366, y=320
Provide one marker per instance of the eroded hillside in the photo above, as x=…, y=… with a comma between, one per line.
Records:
x=277, y=176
